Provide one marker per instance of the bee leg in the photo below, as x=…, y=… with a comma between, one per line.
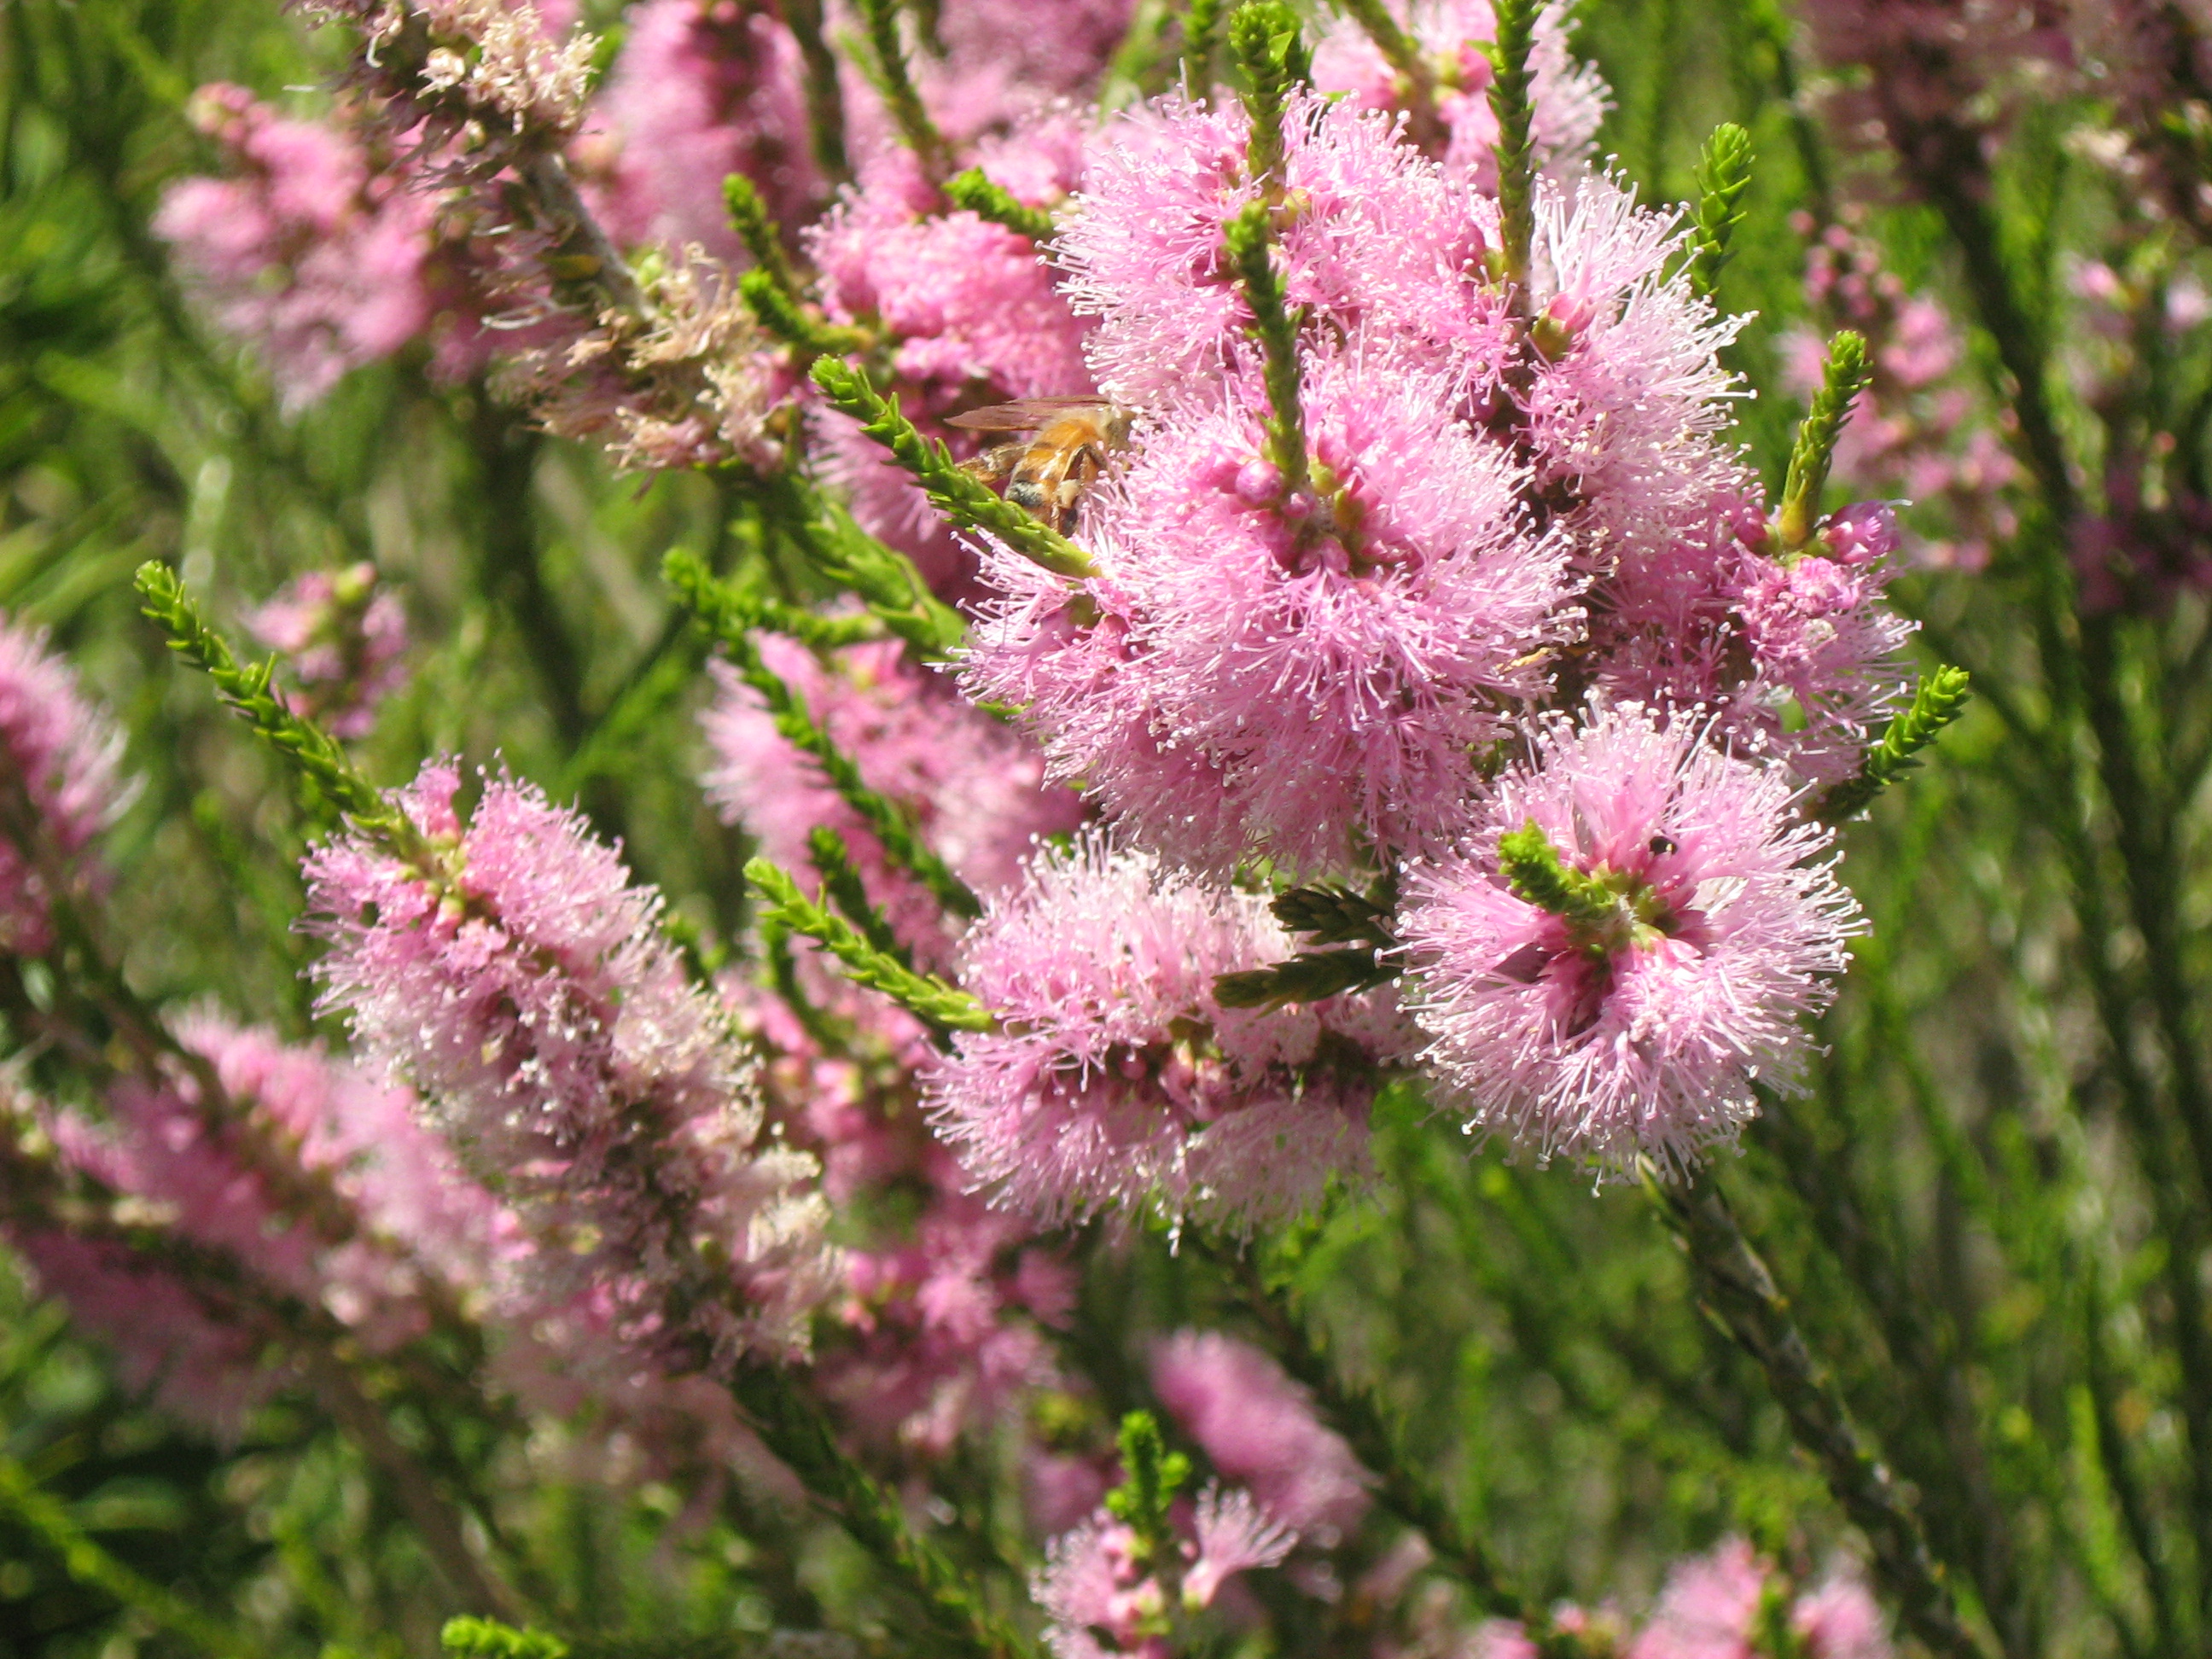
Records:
x=1082, y=471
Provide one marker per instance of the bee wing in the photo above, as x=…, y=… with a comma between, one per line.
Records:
x=1027, y=416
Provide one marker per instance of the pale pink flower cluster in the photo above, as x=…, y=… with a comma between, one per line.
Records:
x=1715, y=1606
x=1258, y=1429
x=1913, y=431
x=61, y=761
x=1116, y=1081
x=1569, y=98
x=1094, y=1582
x=1641, y=1030
x=1731, y=1603
x=310, y=1180
x=306, y=251
x=1522, y=534
x=514, y=976
x=344, y=637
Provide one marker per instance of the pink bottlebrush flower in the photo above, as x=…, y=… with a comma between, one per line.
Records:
x=1258, y=1428
x=1794, y=659
x=1379, y=238
x=207, y=1370
x=975, y=791
x=1839, y=1619
x=1334, y=659
x=520, y=983
x=420, y=1218
x=1716, y=1607
x=1709, y=1608
x=1639, y=1030
x=1569, y=98
x=1819, y=639
x=1628, y=398
x=939, y=1342
x=963, y=300
x=60, y=761
x=308, y=1179
x=1094, y=1582
x=704, y=89
x=996, y=63
x=345, y=638
x=305, y=252
x=1115, y=1080
x=310, y=1176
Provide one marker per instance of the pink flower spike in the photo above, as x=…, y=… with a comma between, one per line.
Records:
x=61, y=759
x=303, y=252
x=1640, y=1031
x=521, y=984
x=1258, y=1428
x=1115, y=1081
x=346, y=638
x=1709, y=1609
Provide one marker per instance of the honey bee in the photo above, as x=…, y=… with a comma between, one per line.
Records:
x=1047, y=473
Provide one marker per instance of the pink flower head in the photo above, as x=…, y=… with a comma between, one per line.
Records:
x=60, y=761
x=973, y=789
x=1628, y=394
x=1839, y=1619
x=1716, y=1607
x=996, y=63
x=203, y=1367
x=1709, y=1608
x=943, y=1326
x=965, y=301
x=1334, y=660
x=1569, y=98
x=704, y=89
x=1640, y=1030
x=1115, y=1080
x=1370, y=234
x=1231, y=1534
x=304, y=251
x=305, y=1178
x=345, y=637
x=1093, y=1583
x=520, y=983
x=1258, y=1428
x=1820, y=638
